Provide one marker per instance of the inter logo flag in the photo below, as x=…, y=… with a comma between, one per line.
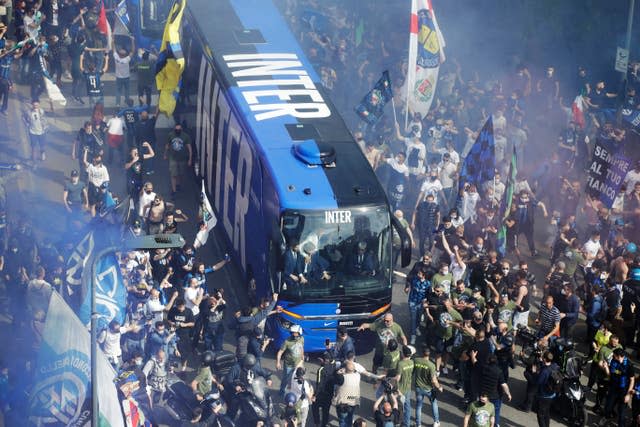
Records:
x=371, y=108
x=61, y=394
x=122, y=23
x=170, y=62
x=480, y=164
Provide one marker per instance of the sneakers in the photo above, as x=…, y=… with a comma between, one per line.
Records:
x=43, y=156
x=444, y=370
x=436, y=424
x=413, y=340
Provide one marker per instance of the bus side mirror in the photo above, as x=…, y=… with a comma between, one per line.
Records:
x=405, y=248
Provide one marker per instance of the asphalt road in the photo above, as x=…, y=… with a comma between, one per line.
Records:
x=36, y=194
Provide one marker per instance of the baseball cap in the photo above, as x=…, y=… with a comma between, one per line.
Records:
x=73, y=172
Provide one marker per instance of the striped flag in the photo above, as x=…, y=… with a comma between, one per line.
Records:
x=505, y=205
x=170, y=62
x=577, y=110
x=480, y=164
x=425, y=56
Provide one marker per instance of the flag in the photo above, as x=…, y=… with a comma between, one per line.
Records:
x=505, y=205
x=577, y=110
x=102, y=23
x=425, y=56
x=206, y=215
x=53, y=92
x=480, y=164
x=122, y=21
x=62, y=392
x=109, y=285
x=359, y=32
x=170, y=62
x=372, y=105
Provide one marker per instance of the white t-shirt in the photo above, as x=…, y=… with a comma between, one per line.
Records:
x=115, y=126
x=431, y=187
x=447, y=174
x=630, y=180
x=156, y=308
x=122, y=66
x=591, y=249
x=296, y=388
x=190, y=294
x=469, y=202
x=97, y=174
x=145, y=199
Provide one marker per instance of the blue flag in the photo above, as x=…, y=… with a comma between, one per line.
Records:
x=371, y=108
x=61, y=394
x=632, y=117
x=110, y=290
x=480, y=164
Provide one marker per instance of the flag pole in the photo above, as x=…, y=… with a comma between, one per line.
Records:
x=393, y=105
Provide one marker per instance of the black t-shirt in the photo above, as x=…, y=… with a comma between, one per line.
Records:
x=146, y=130
x=484, y=351
x=492, y=378
x=130, y=116
x=134, y=173
x=383, y=420
x=185, y=317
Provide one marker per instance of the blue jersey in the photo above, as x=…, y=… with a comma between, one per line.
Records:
x=5, y=66
x=94, y=86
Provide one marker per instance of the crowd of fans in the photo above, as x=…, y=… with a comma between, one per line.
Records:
x=473, y=311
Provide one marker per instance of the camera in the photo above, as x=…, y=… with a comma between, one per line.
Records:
x=388, y=386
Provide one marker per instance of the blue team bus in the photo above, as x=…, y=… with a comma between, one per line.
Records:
x=281, y=166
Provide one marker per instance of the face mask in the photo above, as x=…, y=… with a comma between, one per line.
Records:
x=138, y=362
x=433, y=178
x=480, y=403
x=148, y=191
x=178, y=131
x=444, y=272
x=479, y=247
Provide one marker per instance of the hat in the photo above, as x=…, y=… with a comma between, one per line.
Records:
x=476, y=289
x=295, y=328
x=73, y=172
x=137, y=224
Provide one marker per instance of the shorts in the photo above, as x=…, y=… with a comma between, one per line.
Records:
x=520, y=318
x=114, y=141
x=93, y=194
x=440, y=345
x=37, y=141
x=177, y=168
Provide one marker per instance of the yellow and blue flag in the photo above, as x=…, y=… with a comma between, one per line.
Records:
x=170, y=62
x=372, y=105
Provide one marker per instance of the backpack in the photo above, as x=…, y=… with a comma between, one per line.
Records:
x=554, y=381
x=601, y=316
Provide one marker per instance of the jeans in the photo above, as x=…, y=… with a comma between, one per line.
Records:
x=345, y=415
x=122, y=86
x=287, y=371
x=544, y=409
x=144, y=91
x=421, y=393
x=320, y=411
x=414, y=314
x=497, y=404
x=406, y=409
x=615, y=398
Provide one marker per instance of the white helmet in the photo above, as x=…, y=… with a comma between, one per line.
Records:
x=296, y=328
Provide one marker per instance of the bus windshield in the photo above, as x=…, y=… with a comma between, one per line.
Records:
x=339, y=253
x=153, y=17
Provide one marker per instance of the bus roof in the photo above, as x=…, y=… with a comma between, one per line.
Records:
x=233, y=29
